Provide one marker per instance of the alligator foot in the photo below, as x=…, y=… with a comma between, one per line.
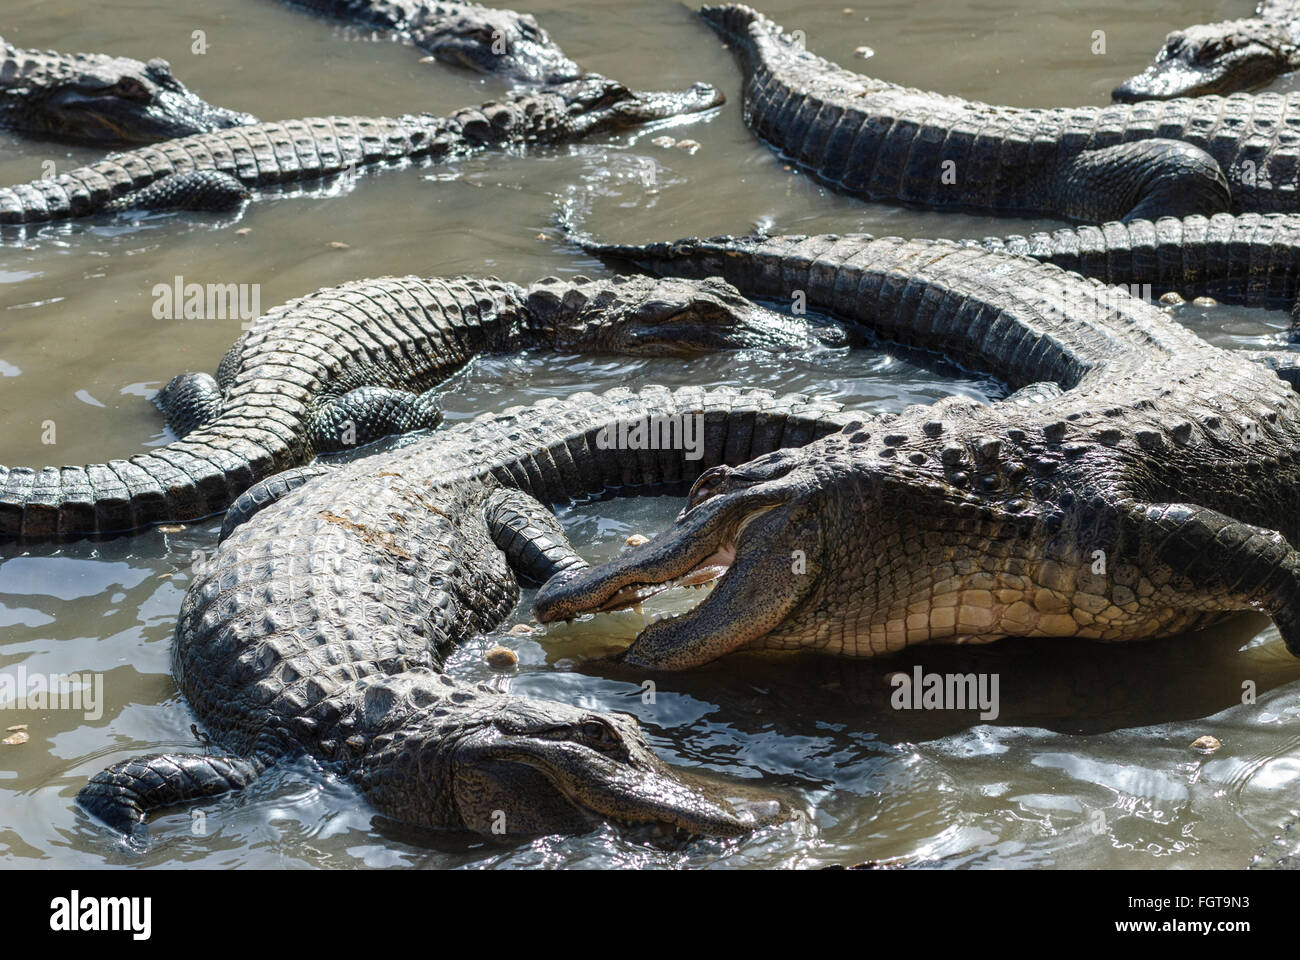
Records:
x=124, y=794
x=209, y=190
x=189, y=401
x=371, y=413
x=1219, y=563
x=1143, y=180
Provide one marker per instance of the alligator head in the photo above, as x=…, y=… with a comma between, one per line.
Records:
x=495, y=41
x=1216, y=58
x=121, y=100
x=758, y=530
x=829, y=546
x=668, y=317
x=534, y=767
x=570, y=110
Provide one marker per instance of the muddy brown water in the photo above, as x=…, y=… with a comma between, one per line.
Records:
x=1088, y=763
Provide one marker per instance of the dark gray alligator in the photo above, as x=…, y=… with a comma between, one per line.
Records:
x=1149, y=483
x=881, y=141
x=1249, y=259
x=1220, y=58
x=489, y=40
x=353, y=363
x=93, y=97
x=291, y=151
x=318, y=628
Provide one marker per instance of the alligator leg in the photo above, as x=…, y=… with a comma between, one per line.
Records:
x=189, y=400
x=529, y=535
x=1032, y=393
x=266, y=492
x=1143, y=180
x=212, y=190
x=1221, y=563
x=371, y=413
x=123, y=795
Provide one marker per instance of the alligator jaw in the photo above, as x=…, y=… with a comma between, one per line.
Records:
x=755, y=594
x=712, y=568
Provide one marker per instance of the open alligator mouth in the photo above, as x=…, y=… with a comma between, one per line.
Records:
x=701, y=577
x=702, y=574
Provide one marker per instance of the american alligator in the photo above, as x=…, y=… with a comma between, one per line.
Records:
x=268, y=154
x=93, y=97
x=319, y=625
x=1152, y=485
x=881, y=141
x=1249, y=259
x=1219, y=58
x=489, y=40
x=350, y=364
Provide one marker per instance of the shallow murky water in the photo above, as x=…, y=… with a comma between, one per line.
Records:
x=1088, y=763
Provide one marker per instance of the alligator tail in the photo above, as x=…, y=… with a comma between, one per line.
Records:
x=186, y=480
x=732, y=21
x=124, y=794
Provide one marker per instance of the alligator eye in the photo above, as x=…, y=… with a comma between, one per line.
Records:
x=710, y=482
x=600, y=733
x=131, y=88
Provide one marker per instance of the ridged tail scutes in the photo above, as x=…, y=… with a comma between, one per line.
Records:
x=733, y=20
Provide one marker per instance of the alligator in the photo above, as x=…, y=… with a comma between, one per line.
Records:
x=350, y=364
x=1248, y=259
x=319, y=625
x=499, y=42
x=1148, y=485
x=881, y=141
x=101, y=99
x=1220, y=58
x=270, y=154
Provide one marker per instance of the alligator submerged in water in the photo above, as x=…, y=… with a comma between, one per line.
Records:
x=881, y=141
x=353, y=363
x=216, y=170
x=1221, y=58
x=93, y=97
x=1149, y=484
x=320, y=625
x=500, y=42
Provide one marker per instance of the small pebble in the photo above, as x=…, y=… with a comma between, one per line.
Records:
x=338, y=245
x=542, y=236
x=1206, y=744
x=636, y=540
x=690, y=146
x=501, y=657
x=521, y=630
x=1206, y=302
x=1172, y=299
x=664, y=142
x=866, y=53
